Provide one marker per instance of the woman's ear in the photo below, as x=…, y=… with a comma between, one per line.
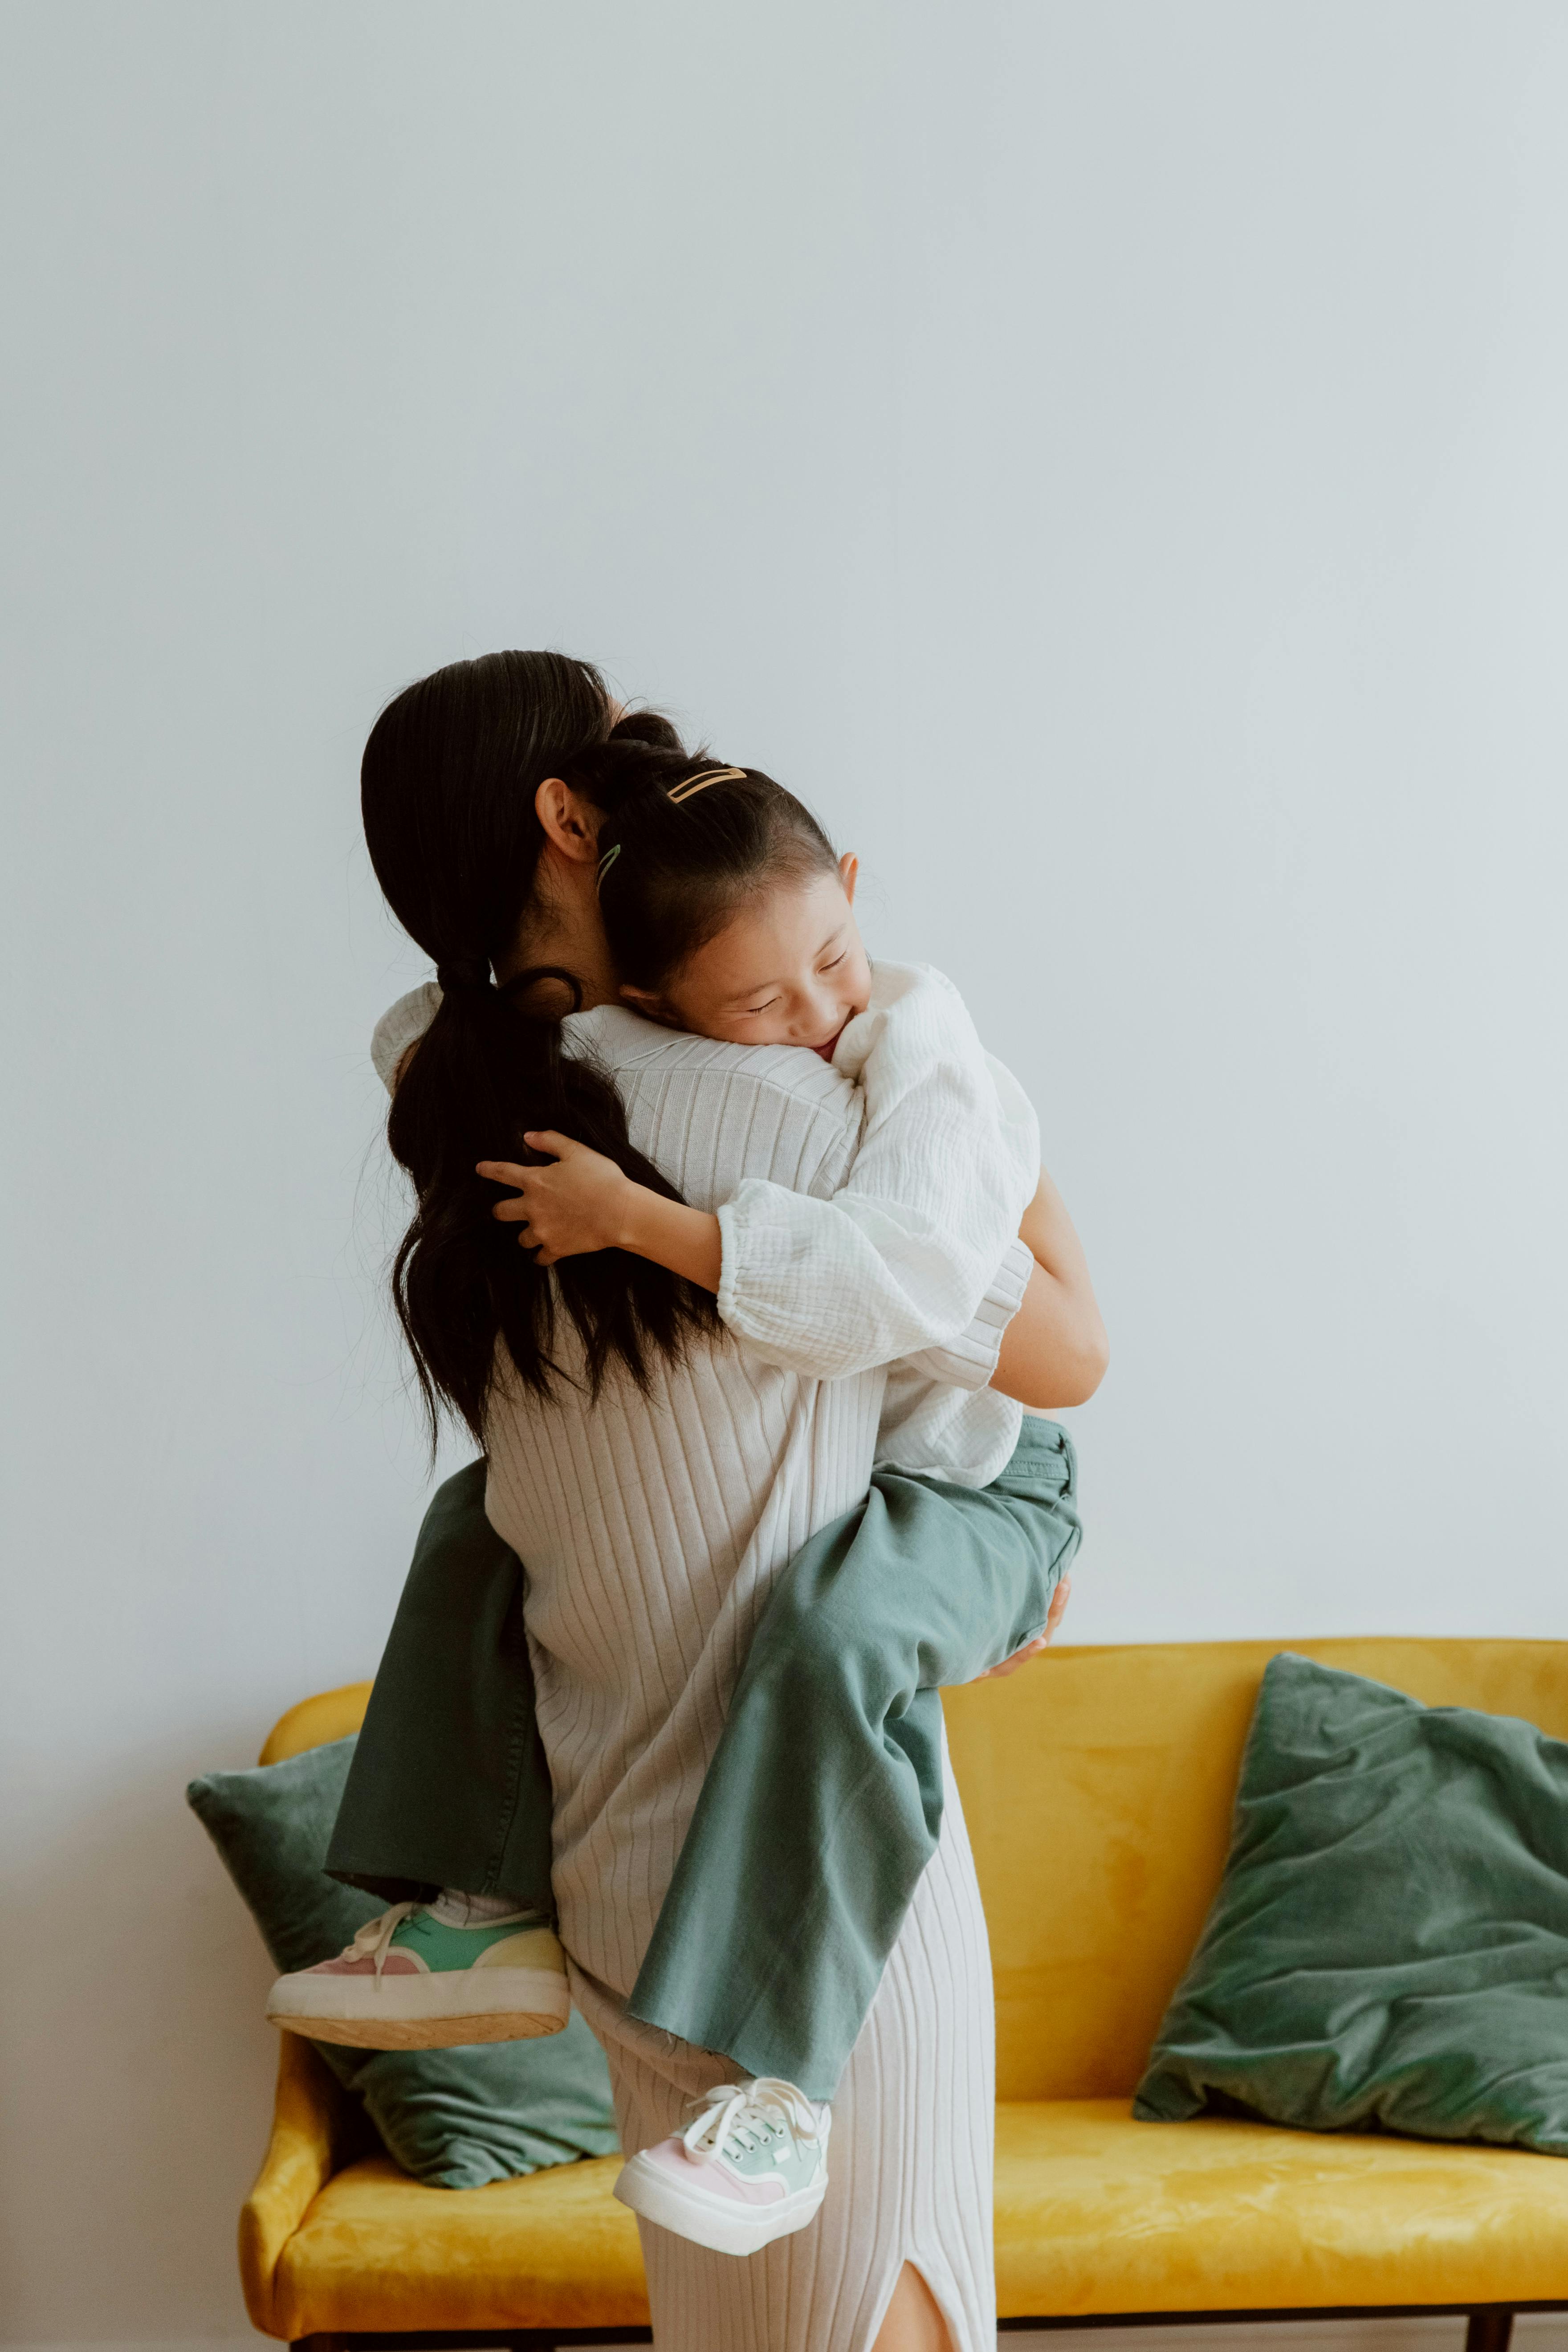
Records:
x=571, y=824
x=848, y=867
x=650, y=1005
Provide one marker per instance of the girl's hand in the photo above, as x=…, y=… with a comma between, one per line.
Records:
x=582, y=1202
x=1042, y=1641
x=587, y=1203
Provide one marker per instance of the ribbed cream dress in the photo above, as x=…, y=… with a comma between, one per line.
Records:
x=652, y=1529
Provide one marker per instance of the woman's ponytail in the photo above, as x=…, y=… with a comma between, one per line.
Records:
x=449, y=777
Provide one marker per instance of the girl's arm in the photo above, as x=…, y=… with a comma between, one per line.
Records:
x=1054, y=1350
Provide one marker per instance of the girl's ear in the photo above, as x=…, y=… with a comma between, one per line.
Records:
x=570, y=822
x=650, y=1005
x=848, y=867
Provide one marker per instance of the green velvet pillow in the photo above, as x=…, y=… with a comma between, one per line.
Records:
x=1389, y=1946
x=454, y=2118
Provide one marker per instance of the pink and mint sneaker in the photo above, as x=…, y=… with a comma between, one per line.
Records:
x=753, y=2167
x=412, y=1981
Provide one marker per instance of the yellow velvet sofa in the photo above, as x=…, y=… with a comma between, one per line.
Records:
x=1098, y=1786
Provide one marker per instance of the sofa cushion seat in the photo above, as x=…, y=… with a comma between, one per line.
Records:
x=1094, y=2213
x=1098, y=2213
x=378, y=2251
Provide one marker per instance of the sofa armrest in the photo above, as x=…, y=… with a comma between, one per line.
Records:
x=308, y=2120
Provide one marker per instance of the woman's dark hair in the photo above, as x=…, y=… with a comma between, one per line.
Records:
x=685, y=843
x=447, y=788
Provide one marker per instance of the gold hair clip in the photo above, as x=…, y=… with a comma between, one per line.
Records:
x=699, y=783
x=677, y=793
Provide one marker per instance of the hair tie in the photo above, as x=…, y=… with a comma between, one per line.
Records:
x=464, y=972
x=521, y=982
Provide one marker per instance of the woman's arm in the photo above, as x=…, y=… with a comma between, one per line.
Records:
x=1055, y=1350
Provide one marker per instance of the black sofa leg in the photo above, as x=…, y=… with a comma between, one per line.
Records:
x=1488, y=2330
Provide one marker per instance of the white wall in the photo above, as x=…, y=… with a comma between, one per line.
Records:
x=1109, y=457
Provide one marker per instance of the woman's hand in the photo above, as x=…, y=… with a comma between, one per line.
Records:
x=580, y=1202
x=1060, y=1599
x=585, y=1201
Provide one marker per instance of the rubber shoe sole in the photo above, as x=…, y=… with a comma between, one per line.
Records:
x=723, y=2229
x=423, y=2012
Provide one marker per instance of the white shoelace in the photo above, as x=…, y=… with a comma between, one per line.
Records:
x=373, y=1940
x=744, y=2112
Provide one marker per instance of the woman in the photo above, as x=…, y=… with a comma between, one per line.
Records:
x=655, y=1481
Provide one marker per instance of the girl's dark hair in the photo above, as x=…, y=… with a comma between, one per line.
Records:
x=679, y=855
x=447, y=788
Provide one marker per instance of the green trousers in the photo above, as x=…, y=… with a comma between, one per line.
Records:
x=823, y=1804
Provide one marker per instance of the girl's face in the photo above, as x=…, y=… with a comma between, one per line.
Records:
x=789, y=970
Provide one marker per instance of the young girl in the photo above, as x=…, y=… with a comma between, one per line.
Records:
x=729, y=918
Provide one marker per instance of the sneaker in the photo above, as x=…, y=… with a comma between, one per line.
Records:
x=410, y=1982
x=752, y=2169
